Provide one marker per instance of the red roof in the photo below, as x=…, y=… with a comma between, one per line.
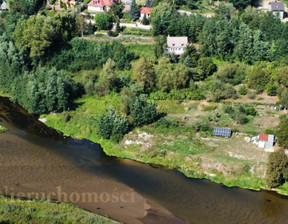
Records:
x=145, y=10
x=263, y=137
x=101, y=3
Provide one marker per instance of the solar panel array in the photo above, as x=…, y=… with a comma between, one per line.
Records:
x=223, y=132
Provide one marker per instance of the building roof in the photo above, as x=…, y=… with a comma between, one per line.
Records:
x=277, y=6
x=177, y=41
x=101, y=3
x=145, y=10
x=4, y=6
x=266, y=138
x=224, y=132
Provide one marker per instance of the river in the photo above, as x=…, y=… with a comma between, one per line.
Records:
x=38, y=162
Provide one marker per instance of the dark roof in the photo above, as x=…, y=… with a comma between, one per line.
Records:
x=223, y=132
x=277, y=6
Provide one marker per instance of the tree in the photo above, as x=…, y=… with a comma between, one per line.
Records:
x=103, y=21
x=207, y=66
x=145, y=21
x=149, y=3
x=241, y=4
x=190, y=57
x=81, y=25
x=276, y=167
x=160, y=46
x=116, y=9
x=65, y=26
x=169, y=78
x=282, y=130
x=143, y=72
x=25, y=6
x=134, y=11
x=113, y=126
x=160, y=18
x=108, y=78
x=143, y=112
x=35, y=35
x=258, y=78
x=284, y=98
x=44, y=91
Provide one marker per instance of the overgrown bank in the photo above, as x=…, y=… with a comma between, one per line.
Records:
x=173, y=142
x=30, y=211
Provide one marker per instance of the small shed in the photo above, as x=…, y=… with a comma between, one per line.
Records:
x=266, y=140
x=222, y=132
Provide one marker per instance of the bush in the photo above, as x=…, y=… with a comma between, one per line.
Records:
x=165, y=123
x=103, y=21
x=222, y=91
x=269, y=132
x=210, y=107
x=231, y=73
x=251, y=95
x=271, y=89
x=243, y=90
x=112, y=125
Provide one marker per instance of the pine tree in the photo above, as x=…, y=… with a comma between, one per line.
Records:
x=134, y=11
x=145, y=21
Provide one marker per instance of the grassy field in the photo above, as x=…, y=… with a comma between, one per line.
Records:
x=231, y=161
x=45, y=212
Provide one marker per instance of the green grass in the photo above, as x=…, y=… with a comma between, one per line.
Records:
x=138, y=32
x=170, y=107
x=143, y=50
x=45, y=212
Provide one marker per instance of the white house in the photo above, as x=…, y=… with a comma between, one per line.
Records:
x=277, y=9
x=100, y=5
x=177, y=45
x=145, y=11
x=4, y=6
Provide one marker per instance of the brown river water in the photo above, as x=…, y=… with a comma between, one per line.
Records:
x=38, y=162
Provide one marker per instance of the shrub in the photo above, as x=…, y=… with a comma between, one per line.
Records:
x=271, y=89
x=242, y=90
x=269, y=131
x=231, y=73
x=166, y=123
x=251, y=95
x=112, y=125
x=210, y=107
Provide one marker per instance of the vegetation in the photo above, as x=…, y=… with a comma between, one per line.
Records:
x=3, y=129
x=108, y=90
x=277, y=169
x=20, y=211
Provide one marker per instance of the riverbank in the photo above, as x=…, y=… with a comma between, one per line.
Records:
x=38, y=212
x=232, y=162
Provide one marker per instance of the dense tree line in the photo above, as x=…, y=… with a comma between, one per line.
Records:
x=82, y=54
x=249, y=36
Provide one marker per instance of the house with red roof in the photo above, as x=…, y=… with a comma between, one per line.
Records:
x=145, y=11
x=100, y=5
